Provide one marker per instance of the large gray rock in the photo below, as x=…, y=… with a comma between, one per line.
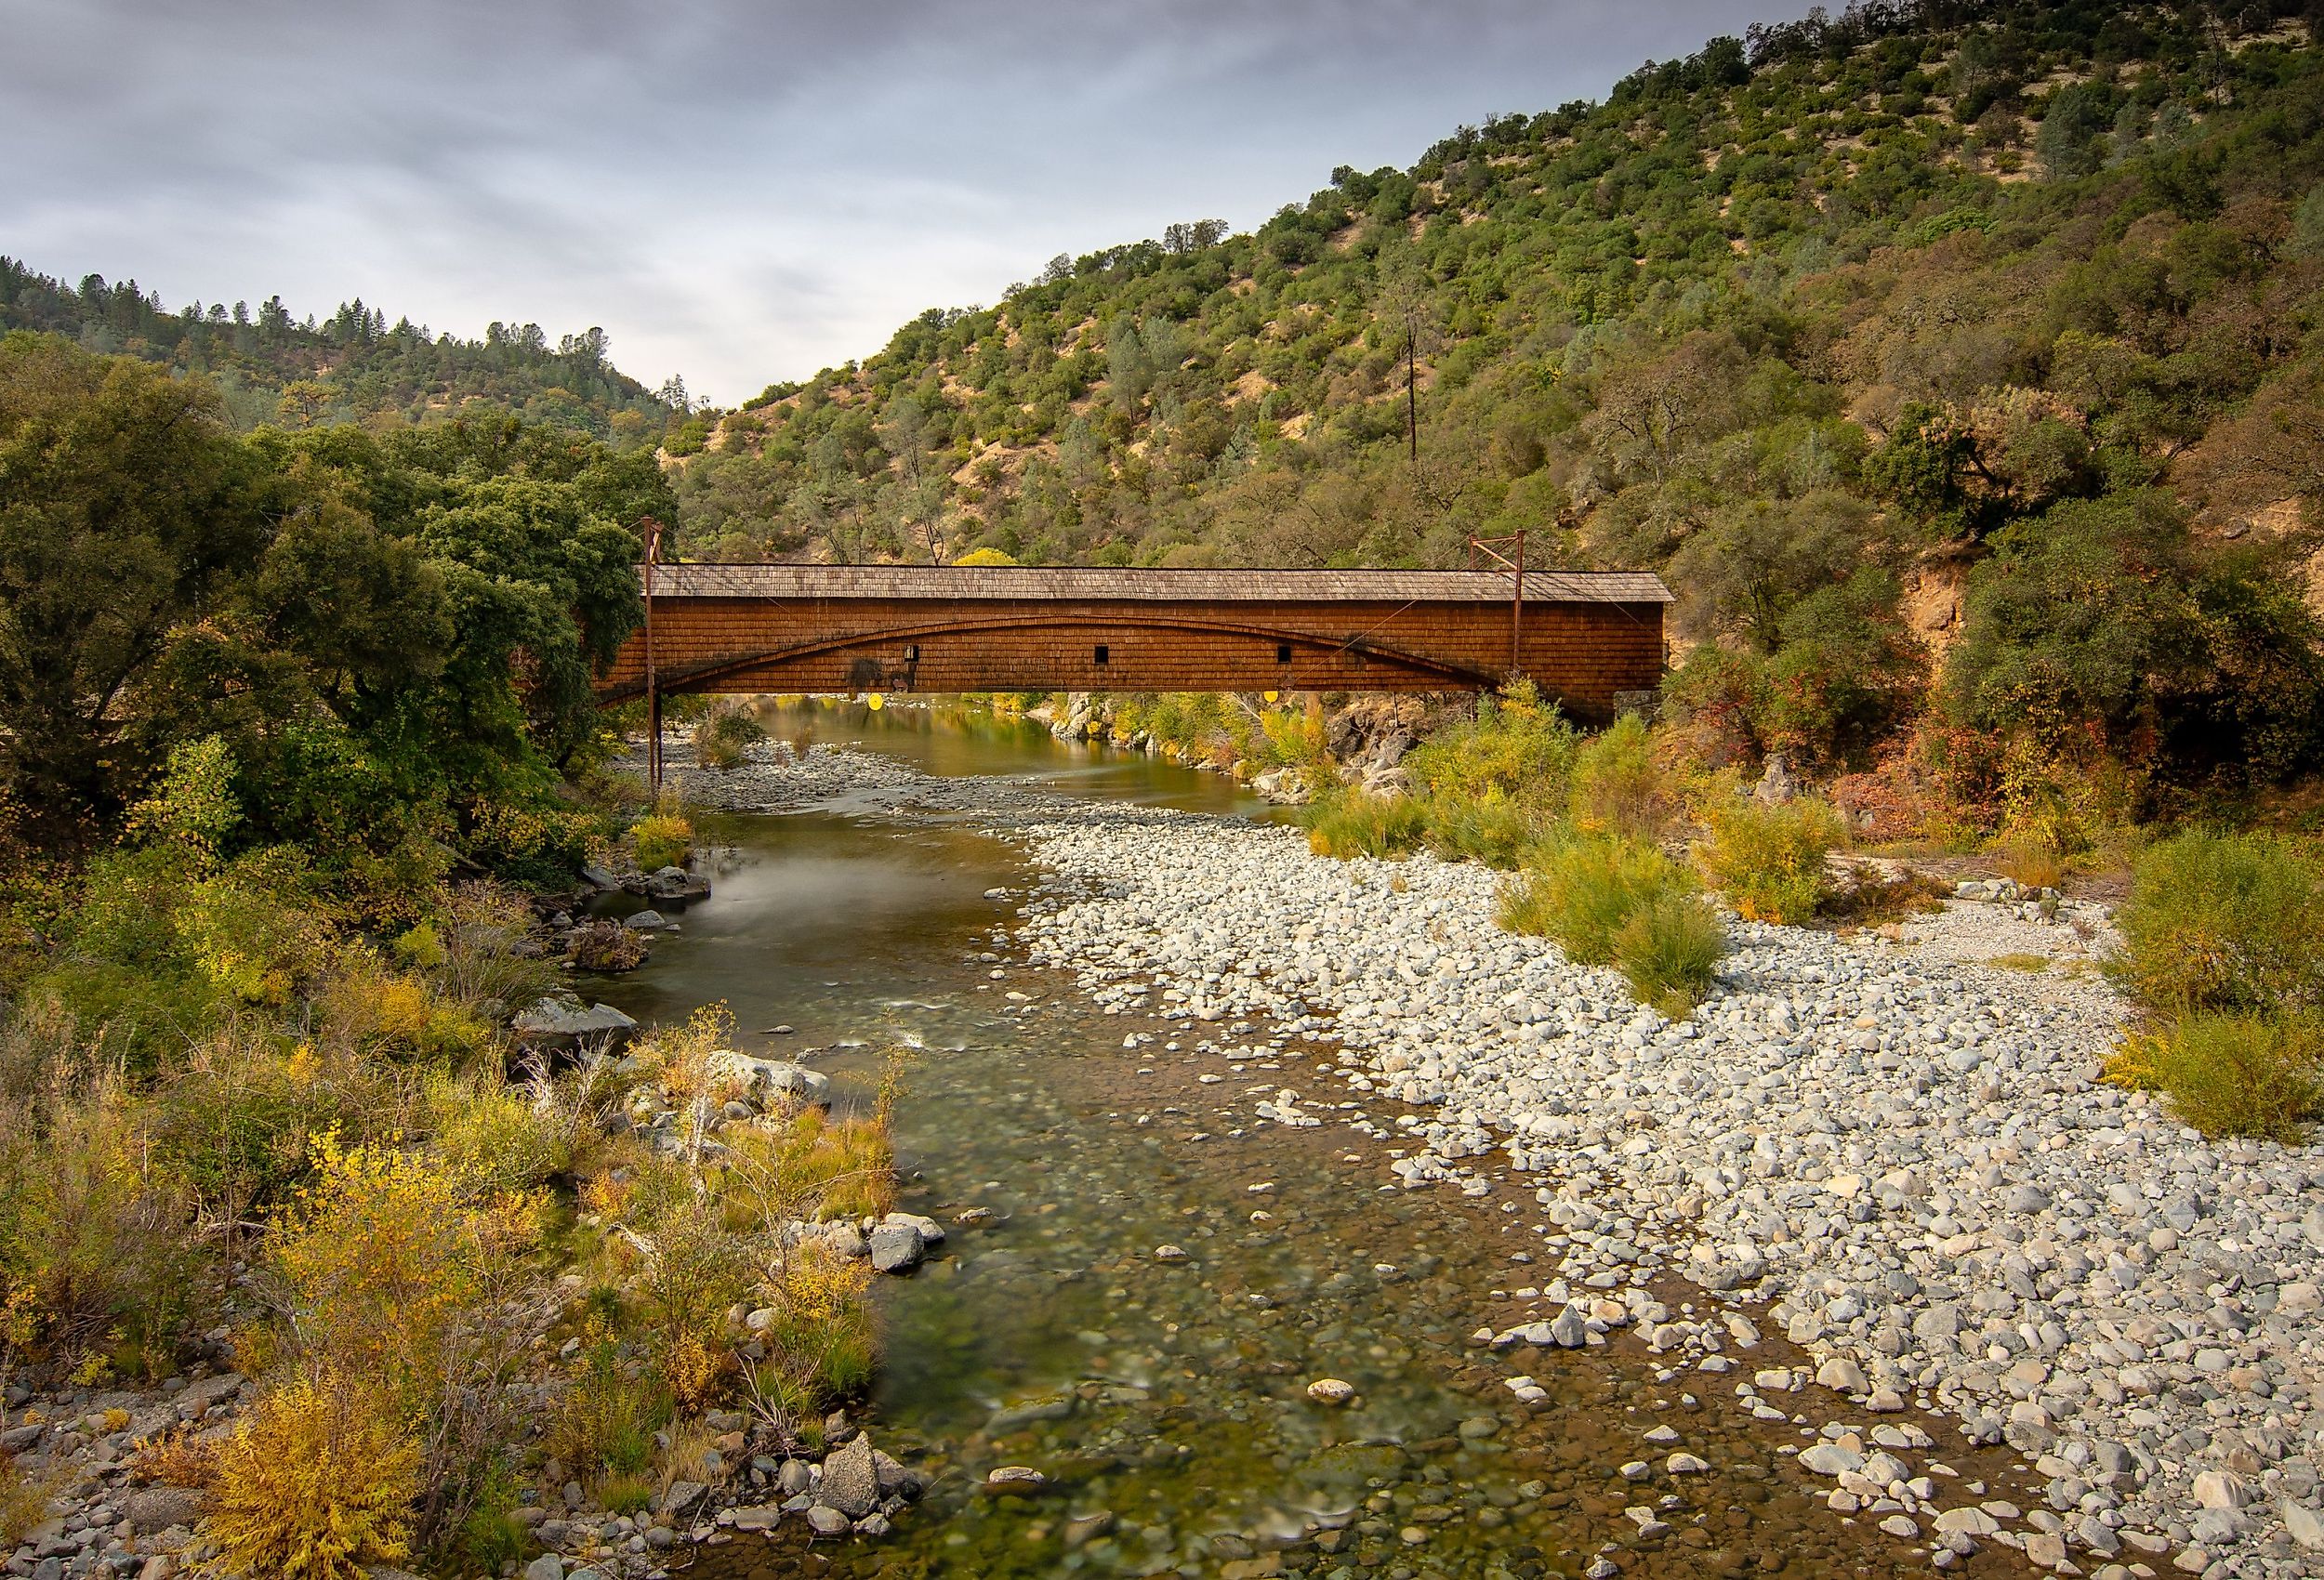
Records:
x=549, y=1566
x=764, y=1078
x=157, y=1509
x=2305, y=1523
x=897, y=1247
x=567, y=1018
x=851, y=1479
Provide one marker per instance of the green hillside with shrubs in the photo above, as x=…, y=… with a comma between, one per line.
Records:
x=272, y=369
x=1957, y=363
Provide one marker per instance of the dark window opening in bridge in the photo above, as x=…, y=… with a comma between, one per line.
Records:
x=911, y=652
x=1103, y=653
x=1283, y=652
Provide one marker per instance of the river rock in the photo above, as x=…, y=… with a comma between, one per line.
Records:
x=764, y=1078
x=567, y=1018
x=1330, y=1390
x=2222, y=1489
x=1829, y=1459
x=157, y=1509
x=897, y=1247
x=850, y=1481
x=1014, y=1479
x=930, y=1231
x=2306, y=1525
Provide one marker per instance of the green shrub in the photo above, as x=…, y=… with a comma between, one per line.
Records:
x=1581, y=891
x=626, y=1495
x=723, y=740
x=1668, y=950
x=98, y=1236
x=2225, y=921
x=606, y=1418
x=491, y=1537
x=1617, y=787
x=1769, y=859
x=491, y=1136
x=1517, y=748
x=1357, y=823
x=2234, y=1074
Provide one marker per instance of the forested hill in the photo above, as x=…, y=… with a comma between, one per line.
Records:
x=274, y=369
x=1905, y=276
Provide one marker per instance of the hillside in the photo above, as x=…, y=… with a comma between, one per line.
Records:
x=275, y=370
x=1818, y=321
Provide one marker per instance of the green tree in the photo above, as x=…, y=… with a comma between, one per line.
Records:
x=124, y=506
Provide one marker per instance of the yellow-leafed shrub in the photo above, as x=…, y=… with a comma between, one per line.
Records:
x=24, y=1499
x=1770, y=860
x=388, y=1014
x=2232, y=1074
x=316, y=1484
x=178, y=1459
x=385, y=1247
x=663, y=841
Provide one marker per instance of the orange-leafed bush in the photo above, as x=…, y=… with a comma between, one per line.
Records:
x=178, y=1459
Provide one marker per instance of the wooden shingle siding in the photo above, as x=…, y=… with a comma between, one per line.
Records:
x=761, y=629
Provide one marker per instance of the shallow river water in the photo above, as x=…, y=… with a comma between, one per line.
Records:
x=1164, y=1395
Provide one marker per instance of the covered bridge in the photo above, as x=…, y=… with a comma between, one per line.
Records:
x=1583, y=638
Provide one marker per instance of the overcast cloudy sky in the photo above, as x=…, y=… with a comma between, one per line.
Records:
x=737, y=191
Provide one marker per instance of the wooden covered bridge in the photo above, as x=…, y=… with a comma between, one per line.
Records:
x=1581, y=636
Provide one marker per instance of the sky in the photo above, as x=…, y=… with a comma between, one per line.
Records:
x=738, y=192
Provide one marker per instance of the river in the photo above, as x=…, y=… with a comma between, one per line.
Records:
x=1164, y=1394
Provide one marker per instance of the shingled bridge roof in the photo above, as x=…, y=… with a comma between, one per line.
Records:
x=1082, y=583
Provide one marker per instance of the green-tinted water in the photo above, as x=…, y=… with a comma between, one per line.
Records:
x=1164, y=1397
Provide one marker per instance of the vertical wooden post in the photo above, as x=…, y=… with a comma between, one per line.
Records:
x=652, y=684
x=1517, y=609
x=1489, y=548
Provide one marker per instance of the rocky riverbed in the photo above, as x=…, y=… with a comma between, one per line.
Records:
x=1895, y=1150
x=1900, y=1159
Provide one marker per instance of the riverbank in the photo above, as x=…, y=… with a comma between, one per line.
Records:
x=1902, y=1160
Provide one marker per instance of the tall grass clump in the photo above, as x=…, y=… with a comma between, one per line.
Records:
x=1769, y=859
x=1357, y=823
x=1580, y=891
x=1619, y=902
x=2231, y=922
x=1670, y=951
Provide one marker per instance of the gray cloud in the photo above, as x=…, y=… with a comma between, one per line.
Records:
x=740, y=191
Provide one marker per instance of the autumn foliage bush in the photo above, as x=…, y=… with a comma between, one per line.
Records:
x=1769, y=859
x=316, y=1484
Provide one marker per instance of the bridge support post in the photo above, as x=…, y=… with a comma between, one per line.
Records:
x=1490, y=548
x=652, y=688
